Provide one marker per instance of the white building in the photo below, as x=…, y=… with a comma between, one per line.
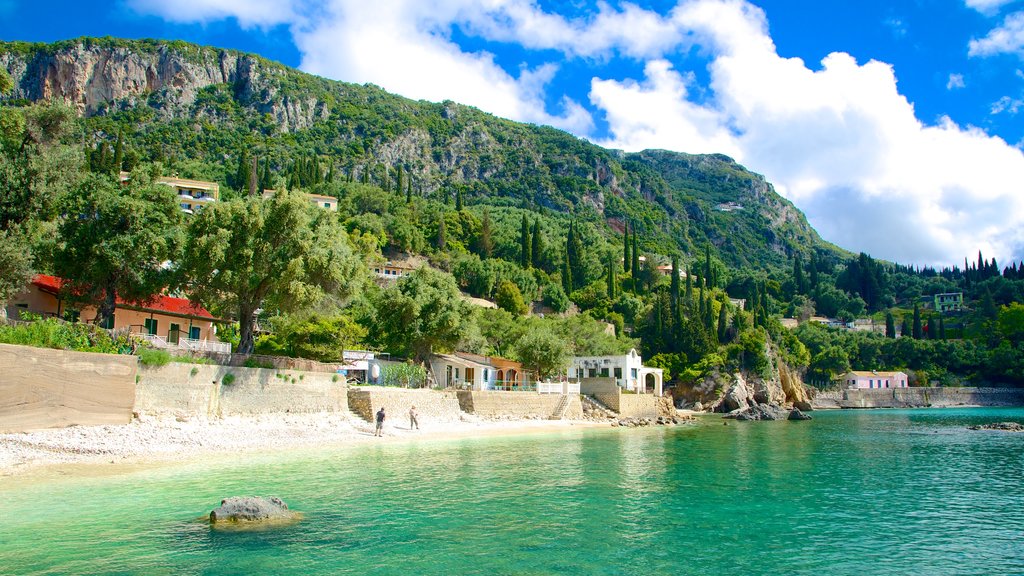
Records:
x=874, y=379
x=628, y=371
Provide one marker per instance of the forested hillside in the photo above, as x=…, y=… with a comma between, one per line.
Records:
x=692, y=258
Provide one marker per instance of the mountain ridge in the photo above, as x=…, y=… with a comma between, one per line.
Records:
x=210, y=101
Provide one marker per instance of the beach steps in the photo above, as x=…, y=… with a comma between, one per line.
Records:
x=560, y=408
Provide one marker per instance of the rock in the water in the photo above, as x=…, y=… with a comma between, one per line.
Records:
x=698, y=407
x=738, y=396
x=759, y=412
x=803, y=406
x=248, y=510
x=796, y=414
x=1005, y=426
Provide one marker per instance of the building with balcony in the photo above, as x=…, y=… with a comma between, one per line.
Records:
x=164, y=321
x=628, y=371
x=476, y=372
x=949, y=302
x=192, y=194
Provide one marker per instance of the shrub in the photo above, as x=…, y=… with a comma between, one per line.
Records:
x=53, y=333
x=153, y=357
x=509, y=298
x=228, y=379
x=256, y=363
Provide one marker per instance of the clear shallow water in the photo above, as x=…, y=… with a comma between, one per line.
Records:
x=865, y=493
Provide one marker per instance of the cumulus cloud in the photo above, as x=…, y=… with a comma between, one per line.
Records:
x=987, y=6
x=837, y=138
x=1007, y=38
x=955, y=81
x=840, y=141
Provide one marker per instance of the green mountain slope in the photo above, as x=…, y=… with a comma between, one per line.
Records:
x=199, y=108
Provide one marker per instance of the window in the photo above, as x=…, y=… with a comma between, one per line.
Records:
x=150, y=324
x=604, y=372
x=108, y=323
x=618, y=373
x=193, y=333
x=327, y=204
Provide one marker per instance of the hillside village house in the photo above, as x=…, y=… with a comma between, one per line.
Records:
x=475, y=372
x=874, y=379
x=319, y=200
x=166, y=321
x=949, y=302
x=628, y=371
x=192, y=194
x=395, y=269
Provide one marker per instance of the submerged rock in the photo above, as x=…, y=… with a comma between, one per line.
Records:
x=1004, y=426
x=796, y=414
x=252, y=511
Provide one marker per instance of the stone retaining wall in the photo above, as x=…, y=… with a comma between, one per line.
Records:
x=919, y=397
x=493, y=403
x=431, y=405
x=201, y=390
x=43, y=388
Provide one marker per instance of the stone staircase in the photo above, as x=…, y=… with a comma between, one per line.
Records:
x=560, y=408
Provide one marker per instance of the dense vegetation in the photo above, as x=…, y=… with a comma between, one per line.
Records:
x=564, y=236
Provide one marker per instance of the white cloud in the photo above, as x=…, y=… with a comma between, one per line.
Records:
x=1008, y=105
x=955, y=81
x=839, y=140
x=248, y=12
x=842, y=142
x=987, y=6
x=1008, y=38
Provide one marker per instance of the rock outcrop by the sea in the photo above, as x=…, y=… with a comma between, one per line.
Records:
x=252, y=511
x=759, y=412
x=1004, y=426
x=796, y=414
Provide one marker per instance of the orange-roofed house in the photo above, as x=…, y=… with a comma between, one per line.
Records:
x=165, y=321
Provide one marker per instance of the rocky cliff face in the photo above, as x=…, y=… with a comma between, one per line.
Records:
x=96, y=77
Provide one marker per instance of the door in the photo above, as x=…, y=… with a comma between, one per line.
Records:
x=151, y=325
x=174, y=333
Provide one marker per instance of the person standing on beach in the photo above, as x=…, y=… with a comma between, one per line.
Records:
x=413, y=422
x=380, y=422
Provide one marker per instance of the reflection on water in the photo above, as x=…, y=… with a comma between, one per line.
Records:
x=885, y=492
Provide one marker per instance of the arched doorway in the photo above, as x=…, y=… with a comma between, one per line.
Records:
x=511, y=377
x=500, y=382
x=650, y=383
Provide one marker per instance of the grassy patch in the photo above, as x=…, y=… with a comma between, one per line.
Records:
x=153, y=357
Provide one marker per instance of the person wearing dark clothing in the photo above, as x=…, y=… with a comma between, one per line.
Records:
x=380, y=422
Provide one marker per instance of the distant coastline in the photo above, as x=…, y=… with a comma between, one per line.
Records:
x=930, y=397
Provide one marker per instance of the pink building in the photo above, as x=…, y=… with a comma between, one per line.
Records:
x=874, y=379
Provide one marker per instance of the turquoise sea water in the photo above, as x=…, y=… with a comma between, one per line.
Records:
x=865, y=493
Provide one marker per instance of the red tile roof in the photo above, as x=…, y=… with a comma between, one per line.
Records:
x=160, y=303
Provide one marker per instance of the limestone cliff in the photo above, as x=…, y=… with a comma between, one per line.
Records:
x=100, y=76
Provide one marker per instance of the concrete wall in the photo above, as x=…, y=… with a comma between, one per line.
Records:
x=493, y=403
x=43, y=388
x=594, y=386
x=431, y=405
x=919, y=397
x=199, y=390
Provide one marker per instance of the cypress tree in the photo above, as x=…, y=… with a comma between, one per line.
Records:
x=442, y=233
x=707, y=267
x=813, y=266
x=566, y=274
x=458, y=201
x=610, y=277
x=486, y=245
x=722, y=326
x=408, y=190
x=118, y=153
x=627, y=259
x=674, y=287
x=890, y=325
x=688, y=295
x=398, y=179
x=798, y=275
x=905, y=328
x=917, y=322
x=537, y=247
x=104, y=162
x=635, y=265
x=524, y=243
x=942, y=328
x=243, y=172
x=700, y=301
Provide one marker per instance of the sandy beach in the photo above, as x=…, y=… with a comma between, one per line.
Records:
x=166, y=438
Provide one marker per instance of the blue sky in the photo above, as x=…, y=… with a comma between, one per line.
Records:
x=893, y=125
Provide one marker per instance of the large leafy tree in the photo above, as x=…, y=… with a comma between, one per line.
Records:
x=543, y=352
x=115, y=240
x=421, y=313
x=280, y=253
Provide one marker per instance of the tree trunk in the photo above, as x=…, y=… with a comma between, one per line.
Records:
x=246, y=328
x=106, y=308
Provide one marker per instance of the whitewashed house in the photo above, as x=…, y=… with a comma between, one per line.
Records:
x=628, y=371
x=857, y=379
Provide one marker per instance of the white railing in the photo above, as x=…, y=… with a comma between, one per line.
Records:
x=558, y=387
x=187, y=344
